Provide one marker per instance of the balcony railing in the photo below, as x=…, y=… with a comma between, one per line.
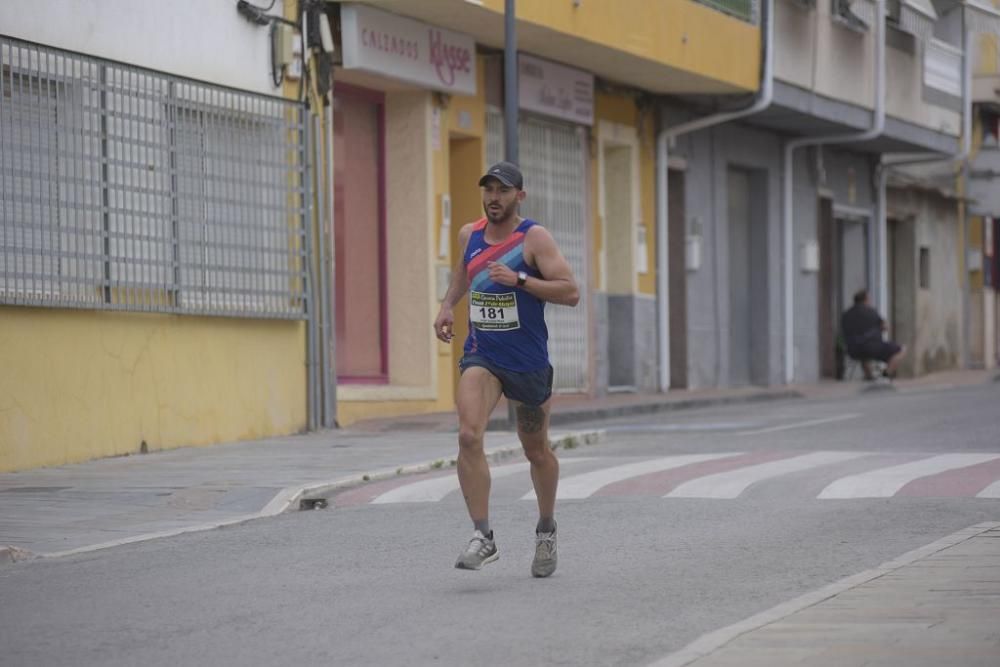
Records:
x=746, y=10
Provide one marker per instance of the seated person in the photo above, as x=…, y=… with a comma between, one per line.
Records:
x=862, y=329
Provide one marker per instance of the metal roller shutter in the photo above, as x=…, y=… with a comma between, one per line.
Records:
x=554, y=162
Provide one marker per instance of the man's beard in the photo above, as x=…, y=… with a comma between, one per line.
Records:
x=501, y=215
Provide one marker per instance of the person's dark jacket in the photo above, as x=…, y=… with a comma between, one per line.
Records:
x=860, y=325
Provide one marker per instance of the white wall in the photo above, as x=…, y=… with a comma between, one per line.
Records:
x=816, y=53
x=905, y=93
x=201, y=39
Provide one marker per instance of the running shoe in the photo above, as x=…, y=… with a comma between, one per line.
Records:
x=544, y=562
x=481, y=550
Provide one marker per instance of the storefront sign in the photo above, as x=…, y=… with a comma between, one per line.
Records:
x=400, y=48
x=555, y=90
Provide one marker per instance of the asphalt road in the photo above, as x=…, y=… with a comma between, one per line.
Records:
x=672, y=527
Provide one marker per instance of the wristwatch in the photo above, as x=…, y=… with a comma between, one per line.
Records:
x=522, y=278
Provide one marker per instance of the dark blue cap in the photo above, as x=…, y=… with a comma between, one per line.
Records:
x=505, y=172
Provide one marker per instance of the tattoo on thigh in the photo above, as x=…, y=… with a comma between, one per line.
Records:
x=530, y=419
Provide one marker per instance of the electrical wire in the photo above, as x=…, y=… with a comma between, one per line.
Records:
x=277, y=71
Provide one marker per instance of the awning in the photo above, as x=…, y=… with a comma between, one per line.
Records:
x=917, y=17
x=982, y=17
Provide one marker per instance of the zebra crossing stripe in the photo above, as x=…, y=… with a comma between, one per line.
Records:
x=585, y=485
x=885, y=482
x=958, y=482
x=991, y=491
x=731, y=484
x=436, y=488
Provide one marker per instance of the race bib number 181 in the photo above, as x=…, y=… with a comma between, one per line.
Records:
x=493, y=312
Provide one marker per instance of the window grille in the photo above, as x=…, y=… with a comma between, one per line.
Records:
x=127, y=189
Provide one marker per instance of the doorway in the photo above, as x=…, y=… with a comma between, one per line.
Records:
x=619, y=244
x=853, y=251
x=748, y=297
x=829, y=297
x=465, y=157
x=677, y=250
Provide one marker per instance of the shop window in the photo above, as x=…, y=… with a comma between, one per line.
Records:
x=359, y=234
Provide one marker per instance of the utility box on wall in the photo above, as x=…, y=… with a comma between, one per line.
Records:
x=810, y=256
x=692, y=253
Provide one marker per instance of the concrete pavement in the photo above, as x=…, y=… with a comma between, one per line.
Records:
x=937, y=605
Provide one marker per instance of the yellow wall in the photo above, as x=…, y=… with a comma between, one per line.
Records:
x=989, y=55
x=680, y=33
x=78, y=385
x=622, y=109
x=421, y=369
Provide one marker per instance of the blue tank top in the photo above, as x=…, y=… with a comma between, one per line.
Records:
x=506, y=324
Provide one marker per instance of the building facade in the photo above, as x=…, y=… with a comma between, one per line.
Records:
x=786, y=215
x=588, y=74
x=208, y=241
x=984, y=195
x=152, y=261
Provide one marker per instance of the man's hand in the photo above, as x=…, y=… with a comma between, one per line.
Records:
x=502, y=274
x=444, y=325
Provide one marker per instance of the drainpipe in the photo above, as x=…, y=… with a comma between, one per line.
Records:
x=329, y=270
x=878, y=125
x=664, y=139
x=889, y=161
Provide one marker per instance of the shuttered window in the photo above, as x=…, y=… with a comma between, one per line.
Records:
x=554, y=162
x=127, y=189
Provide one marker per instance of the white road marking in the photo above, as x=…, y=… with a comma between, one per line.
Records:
x=683, y=428
x=991, y=491
x=885, y=482
x=734, y=482
x=811, y=422
x=583, y=486
x=435, y=489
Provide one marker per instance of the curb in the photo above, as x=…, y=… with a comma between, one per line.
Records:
x=877, y=388
x=313, y=496
x=292, y=499
x=595, y=414
x=13, y=555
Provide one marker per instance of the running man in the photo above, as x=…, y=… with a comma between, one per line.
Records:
x=510, y=267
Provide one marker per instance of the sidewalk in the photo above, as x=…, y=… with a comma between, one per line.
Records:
x=52, y=512
x=938, y=605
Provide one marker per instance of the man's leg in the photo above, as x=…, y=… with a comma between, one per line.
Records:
x=533, y=431
x=894, y=361
x=478, y=393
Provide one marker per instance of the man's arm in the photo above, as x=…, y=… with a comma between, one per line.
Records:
x=556, y=285
x=444, y=325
